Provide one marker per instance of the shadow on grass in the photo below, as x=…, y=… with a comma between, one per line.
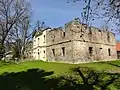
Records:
x=89, y=79
x=35, y=79
x=32, y=79
x=113, y=64
x=110, y=63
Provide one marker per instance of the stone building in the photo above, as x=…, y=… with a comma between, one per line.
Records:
x=74, y=43
x=28, y=50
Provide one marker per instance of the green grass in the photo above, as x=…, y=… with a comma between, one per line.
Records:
x=35, y=80
x=58, y=68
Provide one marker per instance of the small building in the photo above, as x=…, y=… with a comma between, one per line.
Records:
x=28, y=50
x=118, y=50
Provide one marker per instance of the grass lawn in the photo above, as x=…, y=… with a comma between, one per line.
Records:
x=33, y=80
x=58, y=68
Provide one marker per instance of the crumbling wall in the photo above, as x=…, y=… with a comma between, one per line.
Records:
x=58, y=56
x=100, y=52
x=99, y=40
x=77, y=39
x=57, y=39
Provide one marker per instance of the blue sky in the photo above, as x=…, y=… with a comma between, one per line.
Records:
x=56, y=13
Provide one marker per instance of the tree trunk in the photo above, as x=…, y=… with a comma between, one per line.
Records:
x=2, y=50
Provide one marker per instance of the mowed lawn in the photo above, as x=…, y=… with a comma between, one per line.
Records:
x=59, y=68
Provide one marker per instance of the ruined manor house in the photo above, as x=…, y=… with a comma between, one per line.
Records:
x=74, y=43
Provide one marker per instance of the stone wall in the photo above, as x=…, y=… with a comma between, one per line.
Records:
x=80, y=44
x=59, y=55
x=102, y=43
x=81, y=52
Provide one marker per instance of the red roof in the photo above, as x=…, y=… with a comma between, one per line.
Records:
x=118, y=46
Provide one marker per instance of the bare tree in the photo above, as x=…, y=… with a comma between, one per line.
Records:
x=11, y=11
x=20, y=34
x=108, y=10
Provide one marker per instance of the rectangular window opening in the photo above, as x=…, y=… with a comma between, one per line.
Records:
x=109, y=53
x=44, y=39
x=38, y=41
x=53, y=50
x=91, y=51
x=63, y=51
x=44, y=54
x=64, y=34
x=108, y=37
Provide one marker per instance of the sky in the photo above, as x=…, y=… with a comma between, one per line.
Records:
x=56, y=13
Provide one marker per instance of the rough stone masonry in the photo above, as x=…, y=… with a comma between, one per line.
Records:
x=74, y=43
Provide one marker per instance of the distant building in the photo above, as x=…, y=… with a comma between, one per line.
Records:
x=118, y=50
x=28, y=50
x=74, y=43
